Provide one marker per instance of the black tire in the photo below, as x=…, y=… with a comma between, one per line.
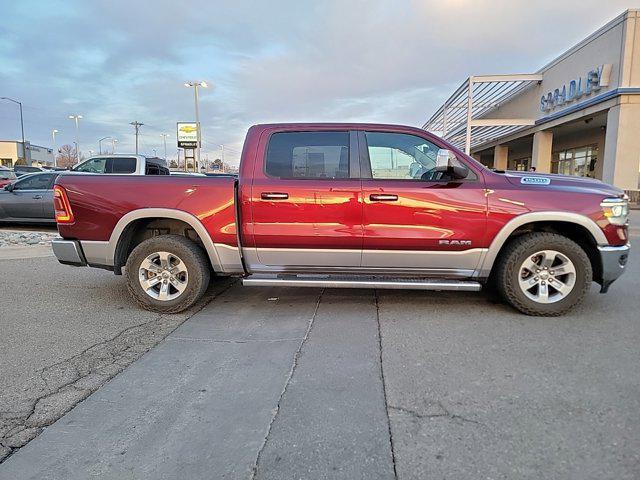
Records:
x=514, y=255
x=193, y=257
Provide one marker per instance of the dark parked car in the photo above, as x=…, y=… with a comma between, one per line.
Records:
x=21, y=170
x=6, y=176
x=28, y=199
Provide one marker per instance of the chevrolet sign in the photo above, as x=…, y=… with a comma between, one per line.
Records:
x=187, y=135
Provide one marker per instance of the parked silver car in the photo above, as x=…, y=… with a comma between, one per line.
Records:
x=28, y=199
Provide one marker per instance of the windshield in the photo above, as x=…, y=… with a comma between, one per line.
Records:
x=7, y=175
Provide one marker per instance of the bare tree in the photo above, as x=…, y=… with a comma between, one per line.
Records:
x=67, y=157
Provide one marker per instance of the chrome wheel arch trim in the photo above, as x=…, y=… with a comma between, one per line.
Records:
x=521, y=220
x=194, y=222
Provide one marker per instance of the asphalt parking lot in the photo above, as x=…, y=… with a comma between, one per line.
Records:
x=306, y=383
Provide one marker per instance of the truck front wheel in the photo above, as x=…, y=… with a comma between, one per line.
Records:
x=167, y=273
x=543, y=274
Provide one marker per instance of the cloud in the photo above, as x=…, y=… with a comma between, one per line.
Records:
x=116, y=61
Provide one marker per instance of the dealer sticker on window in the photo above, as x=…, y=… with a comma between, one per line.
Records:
x=535, y=181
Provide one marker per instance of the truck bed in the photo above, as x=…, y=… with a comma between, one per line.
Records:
x=100, y=201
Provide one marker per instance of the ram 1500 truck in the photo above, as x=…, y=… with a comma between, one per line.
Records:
x=351, y=206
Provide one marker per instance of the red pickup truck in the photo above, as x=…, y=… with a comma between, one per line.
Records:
x=351, y=206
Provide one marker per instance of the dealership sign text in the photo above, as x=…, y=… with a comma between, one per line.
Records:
x=577, y=88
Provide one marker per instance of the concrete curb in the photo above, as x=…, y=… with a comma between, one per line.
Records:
x=22, y=252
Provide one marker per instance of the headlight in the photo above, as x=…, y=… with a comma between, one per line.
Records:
x=616, y=210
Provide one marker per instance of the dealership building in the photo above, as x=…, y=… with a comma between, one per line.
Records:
x=577, y=115
x=12, y=151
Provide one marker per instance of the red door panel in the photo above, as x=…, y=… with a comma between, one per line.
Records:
x=423, y=215
x=417, y=214
x=314, y=219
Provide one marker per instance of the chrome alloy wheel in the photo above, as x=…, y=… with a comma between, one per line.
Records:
x=163, y=276
x=547, y=276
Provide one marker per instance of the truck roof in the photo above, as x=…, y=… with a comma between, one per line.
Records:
x=351, y=125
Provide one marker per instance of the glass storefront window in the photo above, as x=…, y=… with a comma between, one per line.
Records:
x=580, y=161
x=520, y=164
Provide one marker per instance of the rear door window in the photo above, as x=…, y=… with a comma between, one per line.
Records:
x=121, y=165
x=308, y=155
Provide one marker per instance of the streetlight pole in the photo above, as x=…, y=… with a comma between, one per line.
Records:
x=100, y=143
x=24, y=149
x=113, y=145
x=53, y=134
x=77, y=119
x=164, y=139
x=195, y=86
x=137, y=126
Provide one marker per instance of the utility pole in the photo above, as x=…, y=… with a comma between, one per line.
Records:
x=24, y=147
x=164, y=139
x=137, y=126
x=55, y=159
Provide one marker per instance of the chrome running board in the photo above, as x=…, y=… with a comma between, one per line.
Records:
x=341, y=281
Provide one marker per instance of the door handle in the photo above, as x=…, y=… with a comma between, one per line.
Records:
x=37, y=197
x=383, y=197
x=274, y=196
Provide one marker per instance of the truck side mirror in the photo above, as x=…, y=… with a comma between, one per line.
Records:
x=458, y=172
x=448, y=164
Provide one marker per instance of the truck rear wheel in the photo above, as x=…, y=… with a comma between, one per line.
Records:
x=543, y=274
x=167, y=273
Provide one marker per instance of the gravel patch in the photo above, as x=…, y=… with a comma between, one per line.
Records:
x=24, y=238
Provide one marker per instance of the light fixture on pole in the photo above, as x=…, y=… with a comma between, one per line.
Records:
x=24, y=148
x=195, y=86
x=113, y=145
x=53, y=135
x=77, y=118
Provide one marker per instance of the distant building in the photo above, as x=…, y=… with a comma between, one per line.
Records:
x=578, y=115
x=11, y=152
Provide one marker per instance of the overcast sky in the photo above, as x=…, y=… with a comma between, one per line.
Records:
x=116, y=61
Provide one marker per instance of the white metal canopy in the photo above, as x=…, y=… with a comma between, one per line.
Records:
x=462, y=119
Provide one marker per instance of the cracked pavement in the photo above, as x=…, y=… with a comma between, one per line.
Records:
x=33, y=392
x=302, y=383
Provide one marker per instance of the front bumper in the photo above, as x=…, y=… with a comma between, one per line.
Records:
x=68, y=252
x=614, y=261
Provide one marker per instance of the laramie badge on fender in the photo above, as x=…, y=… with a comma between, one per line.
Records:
x=535, y=181
x=455, y=242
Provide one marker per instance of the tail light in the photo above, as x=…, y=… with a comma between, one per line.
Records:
x=61, y=205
